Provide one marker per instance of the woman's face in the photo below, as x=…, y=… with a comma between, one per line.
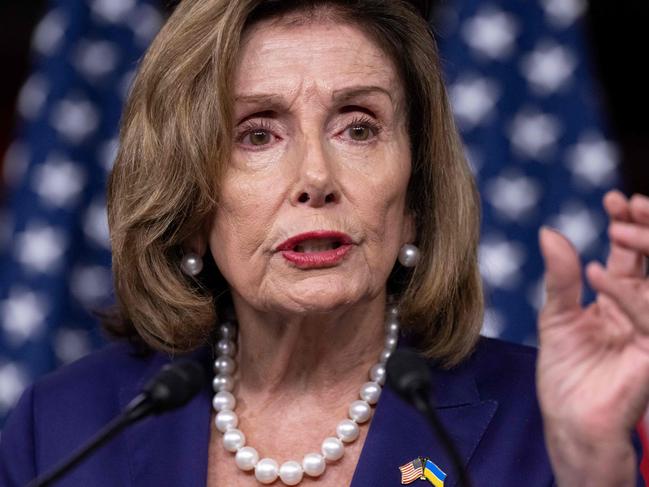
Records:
x=312, y=207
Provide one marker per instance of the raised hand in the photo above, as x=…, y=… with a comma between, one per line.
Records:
x=593, y=366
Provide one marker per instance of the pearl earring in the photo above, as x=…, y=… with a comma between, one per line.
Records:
x=191, y=264
x=409, y=255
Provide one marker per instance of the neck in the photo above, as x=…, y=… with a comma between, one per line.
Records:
x=308, y=353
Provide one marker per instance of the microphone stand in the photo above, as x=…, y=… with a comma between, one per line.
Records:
x=424, y=406
x=140, y=407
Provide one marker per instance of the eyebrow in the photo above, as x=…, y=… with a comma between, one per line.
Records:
x=338, y=96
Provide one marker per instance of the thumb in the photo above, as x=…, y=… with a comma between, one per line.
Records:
x=562, y=272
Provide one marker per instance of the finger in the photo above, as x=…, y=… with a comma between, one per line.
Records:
x=625, y=293
x=639, y=205
x=622, y=260
x=631, y=236
x=617, y=205
x=562, y=272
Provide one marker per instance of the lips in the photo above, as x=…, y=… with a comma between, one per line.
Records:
x=316, y=249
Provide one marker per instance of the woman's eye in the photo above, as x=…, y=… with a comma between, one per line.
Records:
x=362, y=129
x=259, y=137
x=360, y=132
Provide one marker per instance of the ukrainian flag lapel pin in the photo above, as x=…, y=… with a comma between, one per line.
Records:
x=433, y=473
x=423, y=469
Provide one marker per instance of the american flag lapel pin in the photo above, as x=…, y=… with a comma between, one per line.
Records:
x=412, y=471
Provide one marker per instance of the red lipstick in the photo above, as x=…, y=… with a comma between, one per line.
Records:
x=314, y=250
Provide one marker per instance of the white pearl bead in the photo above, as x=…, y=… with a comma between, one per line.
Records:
x=332, y=449
x=226, y=347
x=266, y=470
x=313, y=464
x=392, y=311
x=360, y=411
x=409, y=255
x=385, y=356
x=392, y=327
x=370, y=392
x=222, y=383
x=246, y=458
x=347, y=430
x=224, y=400
x=227, y=330
x=226, y=420
x=291, y=473
x=224, y=365
x=391, y=343
x=377, y=374
x=191, y=264
x=233, y=439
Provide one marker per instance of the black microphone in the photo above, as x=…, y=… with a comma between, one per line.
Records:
x=408, y=375
x=171, y=388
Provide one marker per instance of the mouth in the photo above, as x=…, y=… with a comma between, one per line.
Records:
x=316, y=249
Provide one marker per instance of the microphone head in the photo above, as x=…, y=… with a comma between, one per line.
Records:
x=408, y=373
x=174, y=385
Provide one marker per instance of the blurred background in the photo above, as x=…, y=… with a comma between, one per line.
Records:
x=550, y=97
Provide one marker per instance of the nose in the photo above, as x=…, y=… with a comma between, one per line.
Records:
x=316, y=183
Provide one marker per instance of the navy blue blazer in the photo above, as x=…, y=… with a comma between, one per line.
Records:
x=488, y=405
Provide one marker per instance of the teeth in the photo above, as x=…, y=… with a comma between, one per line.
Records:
x=316, y=246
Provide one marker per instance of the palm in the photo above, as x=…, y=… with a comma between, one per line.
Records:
x=593, y=366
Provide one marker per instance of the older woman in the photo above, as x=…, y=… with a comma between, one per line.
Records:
x=289, y=200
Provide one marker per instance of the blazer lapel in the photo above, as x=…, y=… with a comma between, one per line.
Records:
x=399, y=433
x=171, y=449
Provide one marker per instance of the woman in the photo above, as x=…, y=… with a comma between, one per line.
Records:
x=277, y=158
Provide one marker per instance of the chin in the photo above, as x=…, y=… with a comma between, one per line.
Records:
x=321, y=296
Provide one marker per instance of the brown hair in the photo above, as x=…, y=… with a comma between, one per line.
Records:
x=175, y=142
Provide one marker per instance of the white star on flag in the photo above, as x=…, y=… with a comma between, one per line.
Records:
x=593, y=161
x=23, y=315
x=501, y=261
x=40, y=248
x=71, y=344
x=32, y=96
x=548, y=68
x=534, y=134
x=472, y=98
x=579, y=224
x=75, y=119
x=91, y=284
x=49, y=33
x=95, y=223
x=96, y=59
x=513, y=196
x=112, y=10
x=493, y=324
x=58, y=181
x=491, y=33
x=13, y=380
x=562, y=13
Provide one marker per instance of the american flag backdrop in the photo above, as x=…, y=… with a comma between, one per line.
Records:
x=54, y=255
x=523, y=96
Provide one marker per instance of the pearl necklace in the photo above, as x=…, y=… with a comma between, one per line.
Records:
x=267, y=470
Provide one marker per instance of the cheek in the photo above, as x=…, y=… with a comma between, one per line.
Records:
x=242, y=221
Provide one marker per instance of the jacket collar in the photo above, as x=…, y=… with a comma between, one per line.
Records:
x=399, y=433
x=172, y=449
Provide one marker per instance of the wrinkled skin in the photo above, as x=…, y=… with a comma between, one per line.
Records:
x=593, y=367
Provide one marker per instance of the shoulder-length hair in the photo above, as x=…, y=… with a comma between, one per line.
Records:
x=176, y=140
